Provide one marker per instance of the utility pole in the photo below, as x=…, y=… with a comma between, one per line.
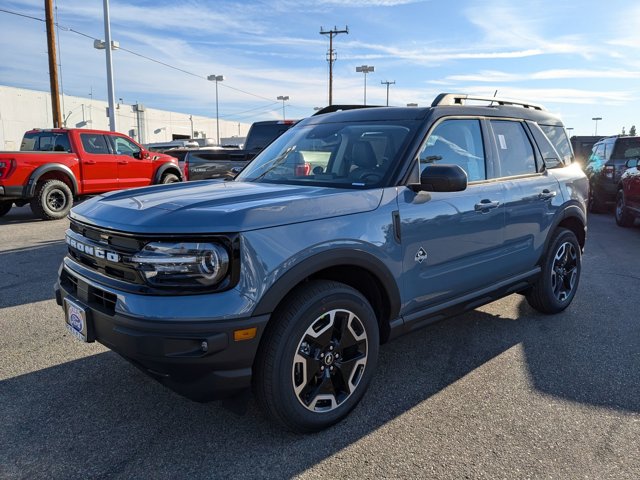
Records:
x=108, y=50
x=331, y=56
x=387, y=83
x=53, y=65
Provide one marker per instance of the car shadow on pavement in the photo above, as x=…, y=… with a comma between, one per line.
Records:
x=99, y=416
x=28, y=274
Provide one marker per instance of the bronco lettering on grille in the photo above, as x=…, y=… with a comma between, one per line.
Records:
x=92, y=251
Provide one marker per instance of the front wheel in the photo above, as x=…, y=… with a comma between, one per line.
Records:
x=317, y=358
x=169, y=178
x=623, y=217
x=5, y=207
x=555, y=288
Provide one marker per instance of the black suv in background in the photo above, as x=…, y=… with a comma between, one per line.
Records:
x=605, y=167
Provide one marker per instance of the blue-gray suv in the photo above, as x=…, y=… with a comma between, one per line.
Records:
x=350, y=229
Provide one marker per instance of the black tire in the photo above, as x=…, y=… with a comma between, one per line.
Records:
x=53, y=200
x=5, y=207
x=169, y=178
x=623, y=217
x=555, y=288
x=301, y=377
x=595, y=204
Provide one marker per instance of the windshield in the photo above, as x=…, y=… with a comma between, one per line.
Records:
x=344, y=155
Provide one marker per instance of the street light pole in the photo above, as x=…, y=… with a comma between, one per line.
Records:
x=387, y=83
x=365, y=69
x=284, y=98
x=217, y=78
x=596, y=120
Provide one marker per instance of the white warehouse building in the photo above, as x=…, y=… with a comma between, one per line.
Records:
x=22, y=110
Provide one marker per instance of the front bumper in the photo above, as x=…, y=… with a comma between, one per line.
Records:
x=197, y=359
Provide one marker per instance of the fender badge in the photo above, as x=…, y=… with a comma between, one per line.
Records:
x=421, y=256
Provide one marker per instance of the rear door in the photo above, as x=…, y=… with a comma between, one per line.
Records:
x=99, y=165
x=452, y=241
x=532, y=193
x=133, y=170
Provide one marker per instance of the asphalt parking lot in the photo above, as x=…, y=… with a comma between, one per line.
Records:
x=501, y=392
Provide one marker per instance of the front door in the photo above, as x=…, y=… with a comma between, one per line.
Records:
x=98, y=165
x=452, y=241
x=133, y=169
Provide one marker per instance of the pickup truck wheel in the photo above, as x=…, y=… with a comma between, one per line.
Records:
x=555, y=288
x=53, y=200
x=623, y=217
x=169, y=178
x=317, y=357
x=5, y=206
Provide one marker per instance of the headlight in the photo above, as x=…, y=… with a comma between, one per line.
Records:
x=182, y=264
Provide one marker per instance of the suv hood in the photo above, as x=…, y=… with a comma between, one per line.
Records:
x=218, y=207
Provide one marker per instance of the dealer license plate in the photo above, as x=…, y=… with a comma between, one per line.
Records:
x=76, y=317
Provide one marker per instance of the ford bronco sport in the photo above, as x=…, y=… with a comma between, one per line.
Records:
x=288, y=279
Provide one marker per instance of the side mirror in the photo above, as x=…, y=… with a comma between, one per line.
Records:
x=633, y=163
x=141, y=155
x=441, y=178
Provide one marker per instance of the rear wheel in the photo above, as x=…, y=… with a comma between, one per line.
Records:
x=53, y=200
x=317, y=358
x=623, y=217
x=555, y=288
x=5, y=206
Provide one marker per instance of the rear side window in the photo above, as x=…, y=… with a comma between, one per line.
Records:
x=627, y=148
x=515, y=152
x=94, y=143
x=46, y=142
x=457, y=142
x=558, y=138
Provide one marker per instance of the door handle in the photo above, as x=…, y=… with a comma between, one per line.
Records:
x=486, y=205
x=89, y=162
x=123, y=162
x=547, y=194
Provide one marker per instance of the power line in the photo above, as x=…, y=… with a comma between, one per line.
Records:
x=69, y=29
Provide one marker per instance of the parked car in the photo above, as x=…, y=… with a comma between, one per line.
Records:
x=582, y=147
x=55, y=166
x=628, y=196
x=225, y=164
x=605, y=167
x=288, y=278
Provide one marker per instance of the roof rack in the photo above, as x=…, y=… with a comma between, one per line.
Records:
x=459, y=99
x=340, y=108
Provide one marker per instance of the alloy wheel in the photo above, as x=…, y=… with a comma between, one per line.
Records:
x=565, y=271
x=329, y=361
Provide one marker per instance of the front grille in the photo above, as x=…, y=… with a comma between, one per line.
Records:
x=123, y=247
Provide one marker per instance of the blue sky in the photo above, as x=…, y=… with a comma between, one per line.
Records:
x=581, y=59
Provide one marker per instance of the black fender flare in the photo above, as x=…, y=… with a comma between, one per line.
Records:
x=572, y=210
x=30, y=187
x=331, y=258
x=166, y=168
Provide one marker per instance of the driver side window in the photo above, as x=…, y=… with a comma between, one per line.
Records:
x=123, y=146
x=456, y=142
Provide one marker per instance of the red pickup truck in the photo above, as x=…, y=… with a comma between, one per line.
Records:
x=55, y=166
